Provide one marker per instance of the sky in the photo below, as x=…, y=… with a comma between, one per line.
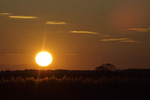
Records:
x=80, y=34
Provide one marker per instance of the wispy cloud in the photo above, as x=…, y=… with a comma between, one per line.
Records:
x=56, y=23
x=23, y=17
x=106, y=35
x=5, y=13
x=116, y=39
x=71, y=54
x=84, y=32
x=127, y=40
x=139, y=29
x=12, y=54
x=16, y=54
x=130, y=41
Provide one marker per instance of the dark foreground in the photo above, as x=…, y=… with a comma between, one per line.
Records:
x=75, y=85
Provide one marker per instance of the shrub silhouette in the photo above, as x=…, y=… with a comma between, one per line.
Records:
x=106, y=67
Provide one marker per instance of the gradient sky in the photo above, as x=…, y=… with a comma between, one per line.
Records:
x=81, y=34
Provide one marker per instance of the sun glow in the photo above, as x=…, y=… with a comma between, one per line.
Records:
x=43, y=58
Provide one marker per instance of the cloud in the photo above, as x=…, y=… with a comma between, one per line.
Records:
x=116, y=39
x=5, y=13
x=18, y=17
x=16, y=54
x=127, y=40
x=71, y=54
x=55, y=23
x=12, y=54
x=106, y=35
x=139, y=29
x=23, y=17
x=84, y=32
x=130, y=41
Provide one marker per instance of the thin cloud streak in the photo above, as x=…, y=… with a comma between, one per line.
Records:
x=23, y=17
x=71, y=54
x=130, y=41
x=16, y=54
x=139, y=29
x=5, y=13
x=127, y=40
x=84, y=32
x=55, y=23
x=106, y=35
x=116, y=39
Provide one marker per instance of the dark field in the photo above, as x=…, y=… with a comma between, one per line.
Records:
x=130, y=84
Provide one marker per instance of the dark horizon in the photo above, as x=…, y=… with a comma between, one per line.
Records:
x=38, y=68
x=75, y=85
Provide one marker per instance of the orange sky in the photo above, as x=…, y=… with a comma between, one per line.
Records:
x=80, y=34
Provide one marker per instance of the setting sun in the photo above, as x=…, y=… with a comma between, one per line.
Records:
x=44, y=58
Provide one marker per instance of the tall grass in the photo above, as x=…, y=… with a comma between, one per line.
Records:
x=72, y=85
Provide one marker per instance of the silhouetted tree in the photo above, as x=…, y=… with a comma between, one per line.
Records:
x=106, y=67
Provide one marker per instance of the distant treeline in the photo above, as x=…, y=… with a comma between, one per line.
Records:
x=74, y=73
x=130, y=84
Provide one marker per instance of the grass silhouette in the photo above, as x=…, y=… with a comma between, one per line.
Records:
x=74, y=85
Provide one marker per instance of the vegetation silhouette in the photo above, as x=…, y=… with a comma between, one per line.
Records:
x=131, y=84
x=106, y=67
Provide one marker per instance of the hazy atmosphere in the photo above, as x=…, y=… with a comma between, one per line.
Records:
x=79, y=34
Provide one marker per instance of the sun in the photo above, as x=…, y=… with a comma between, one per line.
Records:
x=43, y=58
